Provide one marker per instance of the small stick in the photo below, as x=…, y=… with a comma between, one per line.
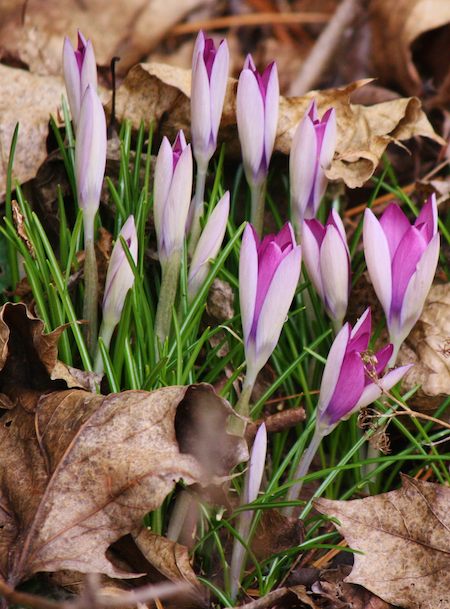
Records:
x=325, y=47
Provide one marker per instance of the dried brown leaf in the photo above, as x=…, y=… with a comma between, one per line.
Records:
x=33, y=33
x=27, y=99
x=161, y=93
x=395, y=28
x=428, y=348
x=83, y=470
x=170, y=558
x=404, y=537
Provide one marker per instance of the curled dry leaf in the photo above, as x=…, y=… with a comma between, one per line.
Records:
x=395, y=29
x=428, y=347
x=403, y=537
x=161, y=93
x=33, y=33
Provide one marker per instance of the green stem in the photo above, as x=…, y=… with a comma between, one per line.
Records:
x=90, y=305
x=236, y=425
x=106, y=332
x=258, y=193
x=198, y=207
x=166, y=301
x=301, y=471
x=184, y=505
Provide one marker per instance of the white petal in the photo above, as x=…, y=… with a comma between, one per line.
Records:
x=340, y=226
x=302, y=167
x=250, y=123
x=378, y=260
x=311, y=258
x=271, y=112
x=256, y=465
x=200, y=110
x=89, y=69
x=419, y=286
x=333, y=368
x=329, y=141
x=199, y=46
x=161, y=186
x=72, y=80
x=276, y=305
x=248, y=279
x=334, y=265
x=218, y=85
x=178, y=201
x=360, y=321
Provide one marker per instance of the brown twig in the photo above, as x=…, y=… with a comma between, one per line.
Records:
x=277, y=422
x=325, y=47
x=220, y=23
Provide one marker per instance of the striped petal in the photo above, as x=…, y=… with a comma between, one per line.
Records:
x=248, y=274
x=250, y=122
x=334, y=270
x=271, y=112
x=302, y=169
x=200, y=110
x=333, y=368
x=218, y=86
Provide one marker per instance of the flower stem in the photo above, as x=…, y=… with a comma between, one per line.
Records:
x=239, y=551
x=106, y=332
x=90, y=305
x=166, y=301
x=236, y=425
x=258, y=194
x=302, y=470
x=197, y=207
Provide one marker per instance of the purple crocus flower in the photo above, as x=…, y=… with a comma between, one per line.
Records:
x=80, y=70
x=350, y=381
x=208, y=245
x=257, y=117
x=209, y=82
x=90, y=155
x=401, y=259
x=172, y=194
x=327, y=260
x=120, y=277
x=312, y=151
x=268, y=275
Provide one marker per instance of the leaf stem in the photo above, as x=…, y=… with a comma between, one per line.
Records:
x=167, y=294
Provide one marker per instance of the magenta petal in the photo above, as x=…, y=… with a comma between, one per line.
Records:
x=360, y=336
x=317, y=230
x=404, y=264
x=428, y=217
x=394, y=224
x=285, y=237
x=348, y=389
x=267, y=265
x=383, y=356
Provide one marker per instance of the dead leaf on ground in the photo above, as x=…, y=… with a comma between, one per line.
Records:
x=404, y=537
x=396, y=27
x=34, y=33
x=83, y=470
x=161, y=93
x=428, y=348
x=276, y=533
x=27, y=99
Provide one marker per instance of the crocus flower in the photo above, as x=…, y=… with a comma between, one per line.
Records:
x=352, y=380
x=209, y=82
x=327, y=260
x=257, y=117
x=172, y=194
x=252, y=484
x=312, y=151
x=401, y=259
x=120, y=277
x=208, y=245
x=268, y=275
x=80, y=70
x=90, y=154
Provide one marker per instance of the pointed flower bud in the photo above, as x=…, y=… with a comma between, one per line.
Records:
x=312, y=151
x=327, y=260
x=209, y=82
x=80, y=70
x=172, y=194
x=351, y=380
x=401, y=259
x=208, y=245
x=257, y=117
x=120, y=277
x=268, y=275
x=90, y=152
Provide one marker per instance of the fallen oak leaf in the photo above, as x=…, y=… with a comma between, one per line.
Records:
x=404, y=537
x=83, y=470
x=161, y=93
